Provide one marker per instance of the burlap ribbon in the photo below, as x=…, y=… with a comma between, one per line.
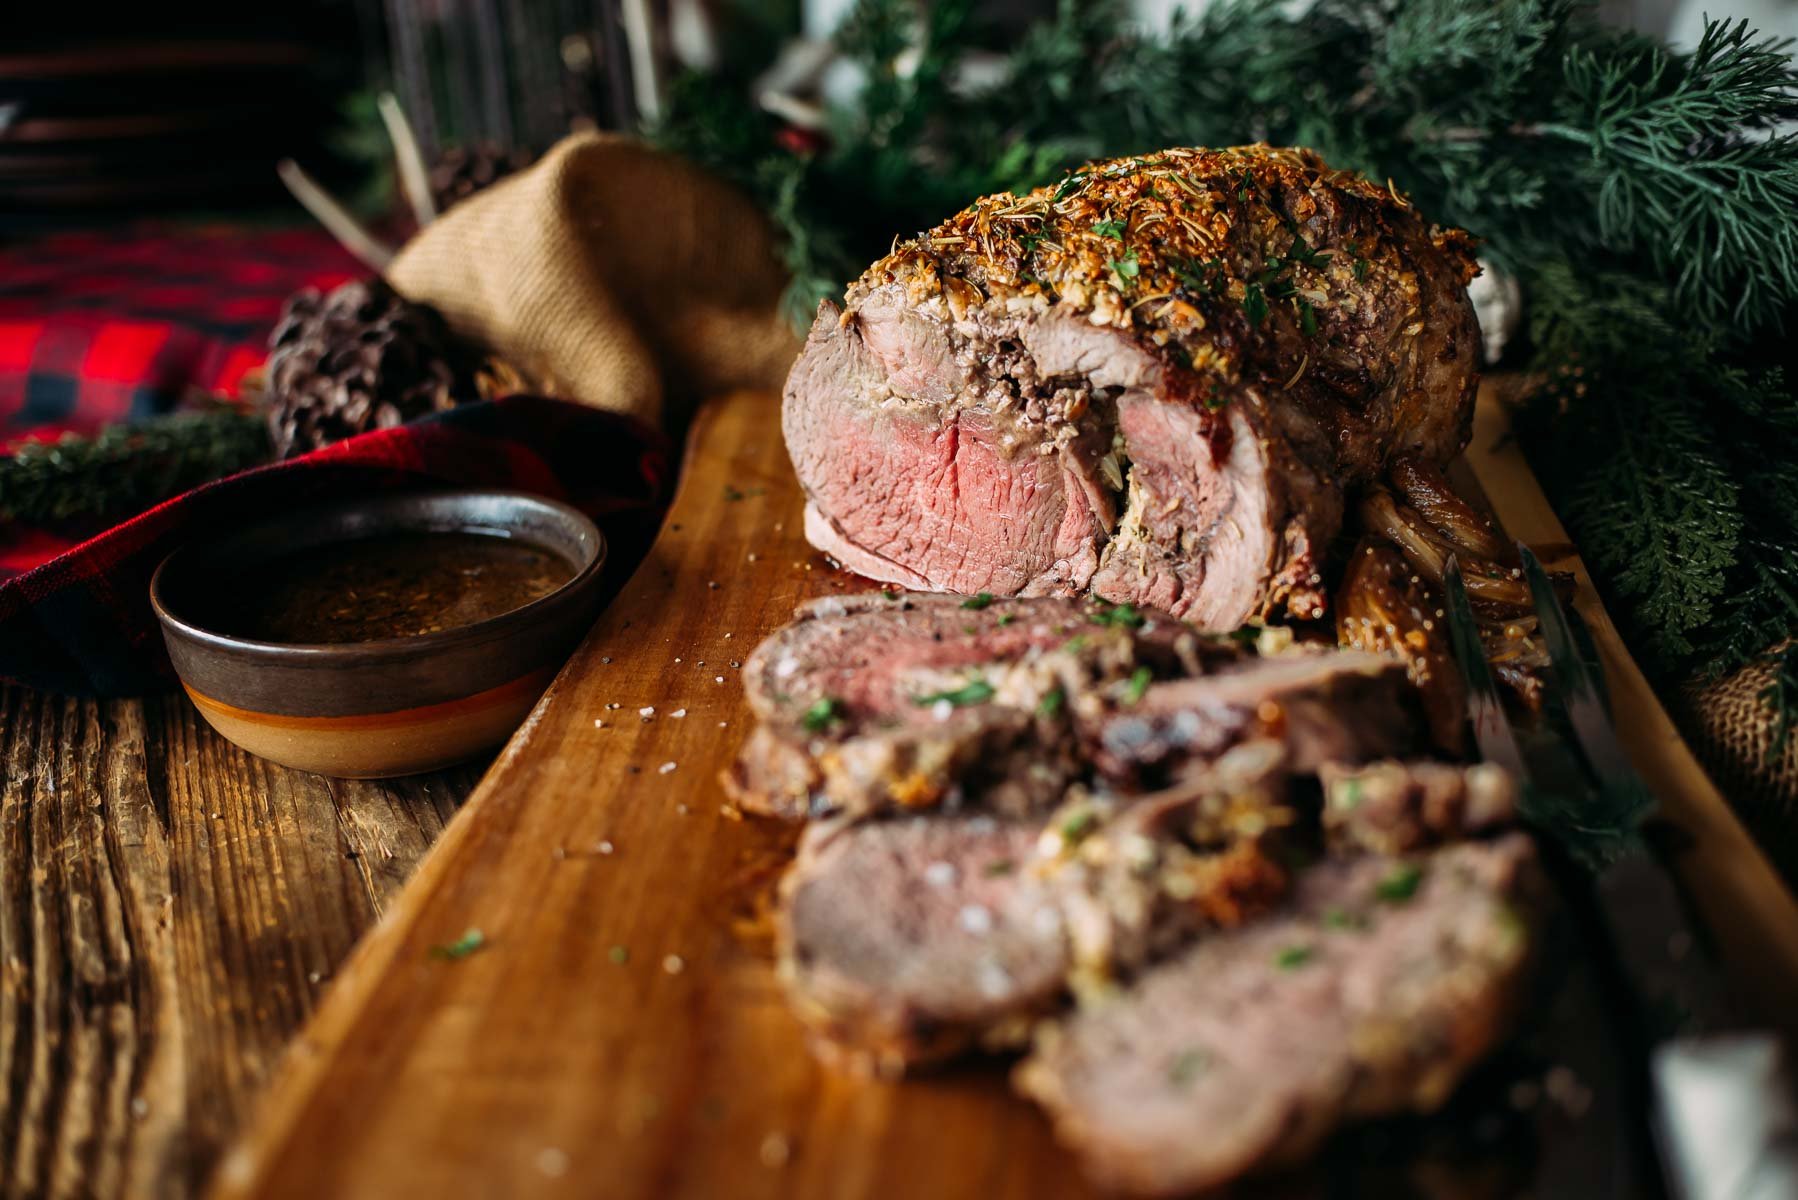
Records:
x=611, y=274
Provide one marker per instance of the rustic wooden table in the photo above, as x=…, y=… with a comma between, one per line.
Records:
x=170, y=910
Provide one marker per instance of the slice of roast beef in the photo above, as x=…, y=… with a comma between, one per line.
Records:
x=878, y=702
x=1321, y=706
x=1373, y=993
x=1154, y=380
x=1399, y=807
x=908, y=939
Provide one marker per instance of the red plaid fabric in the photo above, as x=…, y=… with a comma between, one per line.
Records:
x=104, y=327
x=81, y=622
x=101, y=328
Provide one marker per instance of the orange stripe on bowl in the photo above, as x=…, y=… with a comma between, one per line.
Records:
x=505, y=693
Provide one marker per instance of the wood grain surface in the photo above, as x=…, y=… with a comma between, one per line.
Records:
x=170, y=911
x=621, y=1032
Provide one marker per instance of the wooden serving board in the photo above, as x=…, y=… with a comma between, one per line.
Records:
x=572, y=1055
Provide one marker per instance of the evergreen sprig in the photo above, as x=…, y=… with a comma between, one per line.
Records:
x=1642, y=197
x=126, y=468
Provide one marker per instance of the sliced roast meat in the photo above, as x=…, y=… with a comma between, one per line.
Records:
x=1371, y=994
x=908, y=939
x=1154, y=380
x=1398, y=807
x=880, y=702
x=1322, y=706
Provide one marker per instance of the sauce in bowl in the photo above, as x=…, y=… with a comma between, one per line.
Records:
x=391, y=586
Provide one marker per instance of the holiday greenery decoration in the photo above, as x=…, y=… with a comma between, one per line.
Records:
x=1644, y=199
x=126, y=468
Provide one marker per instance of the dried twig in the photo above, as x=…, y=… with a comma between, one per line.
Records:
x=415, y=180
x=348, y=231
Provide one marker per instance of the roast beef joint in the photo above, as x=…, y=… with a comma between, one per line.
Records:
x=1156, y=382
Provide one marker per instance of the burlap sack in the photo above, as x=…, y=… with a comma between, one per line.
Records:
x=611, y=274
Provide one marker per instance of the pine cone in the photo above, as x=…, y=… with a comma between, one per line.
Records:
x=361, y=358
x=461, y=171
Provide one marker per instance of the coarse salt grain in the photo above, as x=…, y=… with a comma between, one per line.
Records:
x=665, y=768
x=976, y=918
x=648, y=710
x=679, y=712
x=939, y=874
x=717, y=679
x=598, y=724
x=776, y=1150
x=605, y=847
x=674, y=964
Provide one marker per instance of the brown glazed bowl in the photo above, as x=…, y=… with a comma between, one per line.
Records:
x=366, y=710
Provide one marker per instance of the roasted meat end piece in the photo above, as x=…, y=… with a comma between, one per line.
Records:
x=1372, y=994
x=1383, y=606
x=1154, y=381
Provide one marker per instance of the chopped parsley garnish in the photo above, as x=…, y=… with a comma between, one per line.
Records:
x=1254, y=305
x=1051, y=702
x=1247, y=636
x=1360, y=265
x=1110, y=229
x=736, y=493
x=1400, y=883
x=975, y=691
x=890, y=594
x=979, y=601
x=462, y=947
x=1292, y=956
x=1346, y=795
x=1006, y=619
x=998, y=867
x=823, y=713
x=1077, y=824
x=1188, y=1067
x=1069, y=186
x=1077, y=642
x=619, y=954
x=1301, y=252
x=1118, y=614
x=1342, y=918
x=1307, y=318
x=1202, y=276
x=1139, y=684
x=1125, y=267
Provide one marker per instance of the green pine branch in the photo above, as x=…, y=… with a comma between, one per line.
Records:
x=125, y=469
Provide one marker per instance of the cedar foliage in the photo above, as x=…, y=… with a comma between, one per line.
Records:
x=1643, y=198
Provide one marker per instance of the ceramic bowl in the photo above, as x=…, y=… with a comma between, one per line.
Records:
x=365, y=710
